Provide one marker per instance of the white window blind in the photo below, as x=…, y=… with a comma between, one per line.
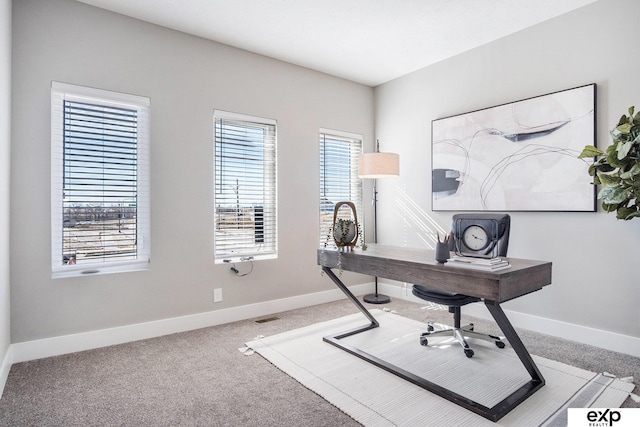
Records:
x=100, y=183
x=339, y=180
x=245, y=187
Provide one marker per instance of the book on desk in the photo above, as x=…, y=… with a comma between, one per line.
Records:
x=486, y=264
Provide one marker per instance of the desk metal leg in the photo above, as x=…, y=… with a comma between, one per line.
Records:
x=373, y=322
x=514, y=340
x=496, y=412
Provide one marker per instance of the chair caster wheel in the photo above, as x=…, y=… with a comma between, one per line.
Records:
x=468, y=352
x=471, y=326
x=424, y=341
x=500, y=344
x=430, y=328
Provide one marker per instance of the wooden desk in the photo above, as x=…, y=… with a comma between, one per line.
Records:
x=417, y=266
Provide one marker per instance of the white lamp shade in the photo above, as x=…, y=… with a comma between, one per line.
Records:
x=378, y=165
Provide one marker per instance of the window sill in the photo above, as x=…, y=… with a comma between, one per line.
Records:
x=245, y=258
x=98, y=269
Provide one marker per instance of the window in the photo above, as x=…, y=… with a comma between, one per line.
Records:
x=100, y=181
x=339, y=153
x=245, y=187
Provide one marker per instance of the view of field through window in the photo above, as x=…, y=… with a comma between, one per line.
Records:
x=245, y=209
x=339, y=180
x=99, y=183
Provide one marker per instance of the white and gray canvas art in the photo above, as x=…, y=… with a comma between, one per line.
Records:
x=521, y=156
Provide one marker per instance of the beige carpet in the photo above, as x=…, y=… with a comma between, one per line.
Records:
x=375, y=397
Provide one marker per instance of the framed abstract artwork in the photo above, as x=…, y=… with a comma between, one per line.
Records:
x=521, y=156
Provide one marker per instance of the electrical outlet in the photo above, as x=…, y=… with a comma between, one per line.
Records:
x=217, y=295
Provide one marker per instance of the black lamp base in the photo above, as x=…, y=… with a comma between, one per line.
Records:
x=376, y=299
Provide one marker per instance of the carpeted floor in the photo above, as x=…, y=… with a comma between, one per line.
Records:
x=199, y=378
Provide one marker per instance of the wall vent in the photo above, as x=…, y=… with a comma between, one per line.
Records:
x=268, y=319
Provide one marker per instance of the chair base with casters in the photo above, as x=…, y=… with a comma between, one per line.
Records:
x=460, y=333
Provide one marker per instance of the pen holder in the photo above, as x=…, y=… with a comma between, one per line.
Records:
x=442, y=252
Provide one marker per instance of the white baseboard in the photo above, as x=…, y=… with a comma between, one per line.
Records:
x=37, y=349
x=569, y=331
x=5, y=368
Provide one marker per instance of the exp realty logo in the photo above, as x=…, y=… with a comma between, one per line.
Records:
x=603, y=417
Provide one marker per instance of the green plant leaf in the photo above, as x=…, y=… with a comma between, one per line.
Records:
x=614, y=195
x=635, y=170
x=623, y=149
x=612, y=158
x=608, y=180
x=626, y=213
x=590, y=151
x=617, y=168
x=602, y=165
x=609, y=207
x=624, y=128
x=623, y=120
x=633, y=215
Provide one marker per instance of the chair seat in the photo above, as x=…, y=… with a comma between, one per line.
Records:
x=451, y=300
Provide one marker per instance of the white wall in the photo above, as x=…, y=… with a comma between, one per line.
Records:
x=186, y=78
x=595, y=256
x=5, y=144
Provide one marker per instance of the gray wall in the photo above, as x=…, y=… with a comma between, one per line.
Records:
x=5, y=144
x=595, y=256
x=186, y=78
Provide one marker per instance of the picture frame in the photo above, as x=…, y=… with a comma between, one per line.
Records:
x=519, y=156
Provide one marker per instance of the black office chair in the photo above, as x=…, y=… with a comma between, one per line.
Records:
x=497, y=228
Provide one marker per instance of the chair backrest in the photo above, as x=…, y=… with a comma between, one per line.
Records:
x=496, y=225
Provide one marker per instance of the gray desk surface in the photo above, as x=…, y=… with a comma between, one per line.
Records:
x=418, y=266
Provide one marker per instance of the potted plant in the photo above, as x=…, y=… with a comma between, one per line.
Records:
x=344, y=232
x=617, y=169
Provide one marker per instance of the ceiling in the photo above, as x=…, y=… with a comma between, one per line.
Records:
x=366, y=41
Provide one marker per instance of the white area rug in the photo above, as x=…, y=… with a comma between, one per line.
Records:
x=375, y=397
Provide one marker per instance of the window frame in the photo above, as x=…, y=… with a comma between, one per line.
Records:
x=355, y=183
x=61, y=92
x=270, y=203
